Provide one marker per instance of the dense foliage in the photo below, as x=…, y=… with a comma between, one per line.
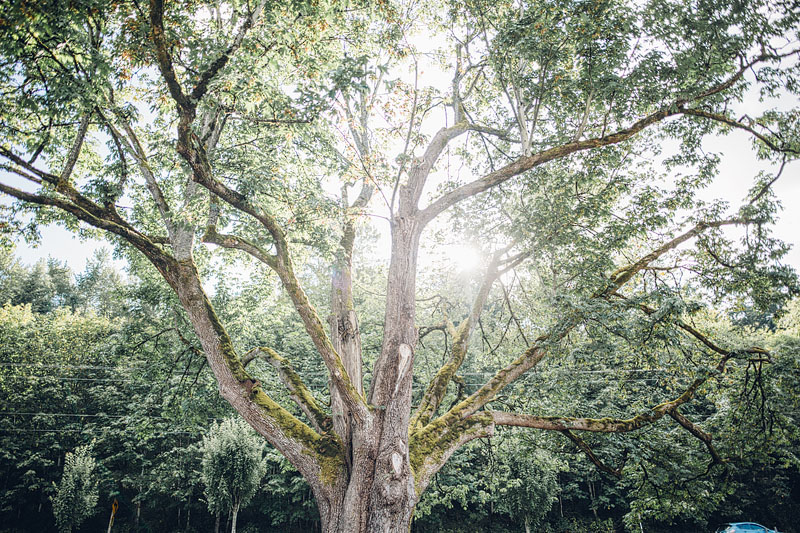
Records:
x=61, y=394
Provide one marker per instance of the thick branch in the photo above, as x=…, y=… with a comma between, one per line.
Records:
x=500, y=134
x=303, y=446
x=298, y=391
x=418, y=174
x=75, y=151
x=431, y=447
x=94, y=216
x=607, y=425
x=190, y=147
x=45, y=176
x=237, y=243
x=624, y=274
x=526, y=163
x=164, y=59
x=295, y=439
x=282, y=266
x=202, y=85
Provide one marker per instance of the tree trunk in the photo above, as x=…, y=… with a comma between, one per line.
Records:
x=234, y=513
x=376, y=492
x=346, y=340
x=216, y=525
x=361, y=511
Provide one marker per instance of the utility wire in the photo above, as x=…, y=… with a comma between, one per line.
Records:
x=91, y=415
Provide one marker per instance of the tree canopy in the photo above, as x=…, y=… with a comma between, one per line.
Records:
x=562, y=140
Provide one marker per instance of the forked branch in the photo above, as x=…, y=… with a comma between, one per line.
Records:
x=528, y=162
x=461, y=335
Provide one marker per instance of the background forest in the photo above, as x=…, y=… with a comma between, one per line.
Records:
x=103, y=360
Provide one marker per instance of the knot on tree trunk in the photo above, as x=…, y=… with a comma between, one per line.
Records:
x=346, y=328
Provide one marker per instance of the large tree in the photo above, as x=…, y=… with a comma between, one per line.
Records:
x=173, y=126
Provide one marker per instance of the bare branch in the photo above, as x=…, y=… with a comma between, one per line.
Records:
x=131, y=143
x=581, y=444
x=46, y=176
x=438, y=386
x=624, y=274
x=716, y=117
x=697, y=432
x=754, y=350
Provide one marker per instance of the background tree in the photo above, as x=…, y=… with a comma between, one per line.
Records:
x=233, y=467
x=193, y=132
x=76, y=495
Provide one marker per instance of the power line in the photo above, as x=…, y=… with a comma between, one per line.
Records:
x=66, y=378
x=86, y=429
x=555, y=370
x=90, y=415
x=73, y=367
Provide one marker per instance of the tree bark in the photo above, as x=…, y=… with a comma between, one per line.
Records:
x=234, y=513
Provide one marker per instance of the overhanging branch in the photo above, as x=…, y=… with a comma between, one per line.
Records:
x=607, y=425
x=716, y=117
x=528, y=162
x=706, y=438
